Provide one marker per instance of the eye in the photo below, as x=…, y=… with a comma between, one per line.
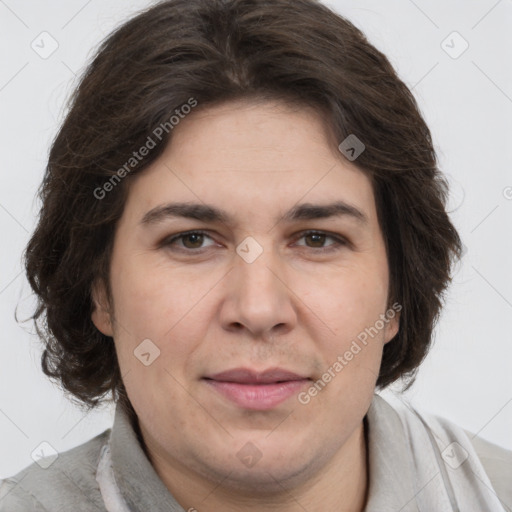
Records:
x=190, y=241
x=318, y=238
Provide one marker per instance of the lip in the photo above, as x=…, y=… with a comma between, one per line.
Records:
x=257, y=390
x=248, y=376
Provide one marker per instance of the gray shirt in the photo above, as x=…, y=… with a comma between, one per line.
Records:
x=69, y=484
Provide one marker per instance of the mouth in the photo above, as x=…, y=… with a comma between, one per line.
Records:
x=254, y=390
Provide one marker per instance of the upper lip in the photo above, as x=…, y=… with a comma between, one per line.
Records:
x=248, y=376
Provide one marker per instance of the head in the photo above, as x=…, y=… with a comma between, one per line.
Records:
x=240, y=108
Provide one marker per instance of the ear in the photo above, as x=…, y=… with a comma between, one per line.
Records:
x=100, y=315
x=393, y=324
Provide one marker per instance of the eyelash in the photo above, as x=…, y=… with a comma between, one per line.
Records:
x=339, y=241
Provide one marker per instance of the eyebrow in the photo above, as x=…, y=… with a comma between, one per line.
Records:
x=208, y=213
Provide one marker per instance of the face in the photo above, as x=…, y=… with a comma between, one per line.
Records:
x=262, y=283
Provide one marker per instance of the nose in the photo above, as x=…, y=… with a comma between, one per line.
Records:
x=258, y=299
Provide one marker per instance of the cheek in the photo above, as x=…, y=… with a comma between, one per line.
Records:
x=153, y=298
x=162, y=305
x=350, y=300
x=345, y=310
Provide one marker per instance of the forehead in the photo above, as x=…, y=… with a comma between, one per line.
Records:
x=258, y=137
x=252, y=159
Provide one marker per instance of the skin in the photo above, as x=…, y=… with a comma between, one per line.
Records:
x=207, y=311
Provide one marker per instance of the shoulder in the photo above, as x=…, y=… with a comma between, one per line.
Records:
x=497, y=462
x=69, y=480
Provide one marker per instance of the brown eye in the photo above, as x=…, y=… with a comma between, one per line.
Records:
x=190, y=242
x=195, y=239
x=317, y=239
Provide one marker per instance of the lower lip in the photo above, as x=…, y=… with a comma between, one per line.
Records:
x=258, y=396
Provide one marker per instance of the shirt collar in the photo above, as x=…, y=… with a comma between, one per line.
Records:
x=140, y=485
x=390, y=466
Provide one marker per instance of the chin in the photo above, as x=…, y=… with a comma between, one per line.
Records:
x=269, y=473
x=271, y=479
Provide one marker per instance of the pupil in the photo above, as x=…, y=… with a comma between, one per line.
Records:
x=197, y=236
x=317, y=238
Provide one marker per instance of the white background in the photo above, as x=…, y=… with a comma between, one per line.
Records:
x=466, y=101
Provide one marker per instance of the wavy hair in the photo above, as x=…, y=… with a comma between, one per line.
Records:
x=216, y=51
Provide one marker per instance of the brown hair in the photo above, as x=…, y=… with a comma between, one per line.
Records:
x=215, y=51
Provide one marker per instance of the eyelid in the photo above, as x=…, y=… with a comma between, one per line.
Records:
x=167, y=241
x=339, y=239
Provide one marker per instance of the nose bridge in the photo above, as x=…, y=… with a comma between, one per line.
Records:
x=256, y=268
x=259, y=298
